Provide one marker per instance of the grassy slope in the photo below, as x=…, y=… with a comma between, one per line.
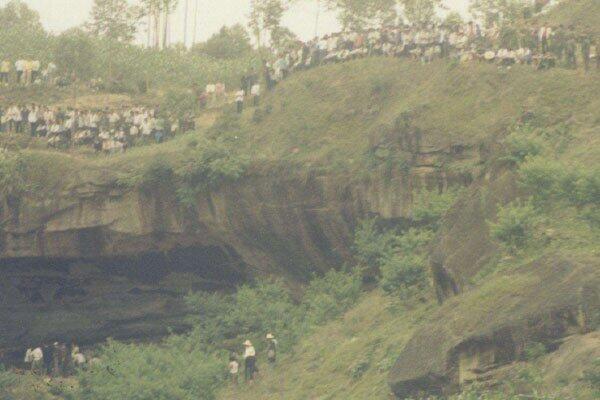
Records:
x=583, y=14
x=321, y=367
x=328, y=117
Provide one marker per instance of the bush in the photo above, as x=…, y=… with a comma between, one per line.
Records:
x=430, y=206
x=149, y=177
x=331, y=295
x=13, y=169
x=401, y=273
x=372, y=245
x=214, y=163
x=251, y=312
x=534, y=350
x=162, y=372
x=522, y=144
x=540, y=175
x=515, y=224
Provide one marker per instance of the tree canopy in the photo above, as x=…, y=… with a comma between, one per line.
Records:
x=114, y=19
x=361, y=14
x=230, y=42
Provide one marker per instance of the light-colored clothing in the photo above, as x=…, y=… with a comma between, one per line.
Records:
x=37, y=354
x=249, y=352
x=239, y=96
x=234, y=367
x=5, y=67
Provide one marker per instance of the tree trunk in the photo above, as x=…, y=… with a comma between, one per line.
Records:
x=185, y=23
x=156, y=28
x=165, y=29
x=195, y=23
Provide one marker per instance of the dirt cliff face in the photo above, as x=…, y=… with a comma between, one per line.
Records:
x=486, y=324
x=96, y=260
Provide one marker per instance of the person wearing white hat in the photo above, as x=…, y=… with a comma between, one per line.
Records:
x=271, y=348
x=249, y=361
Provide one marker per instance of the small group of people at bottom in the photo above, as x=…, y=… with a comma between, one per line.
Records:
x=249, y=356
x=58, y=359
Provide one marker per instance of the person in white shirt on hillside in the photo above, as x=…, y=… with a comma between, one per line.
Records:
x=239, y=100
x=20, y=68
x=255, y=92
x=35, y=357
x=249, y=361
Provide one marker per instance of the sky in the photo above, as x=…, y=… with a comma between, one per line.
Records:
x=59, y=15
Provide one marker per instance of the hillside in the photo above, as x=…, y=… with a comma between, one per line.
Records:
x=582, y=14
x=108, y=246
x=319, y=159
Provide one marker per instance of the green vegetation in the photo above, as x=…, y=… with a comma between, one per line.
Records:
x=179, y=369
x=515, y=225
x=592, y=377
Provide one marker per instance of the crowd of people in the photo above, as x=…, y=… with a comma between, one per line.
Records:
x=26, y=72
x=106, y=130
x=249, y=357
x=540, y=46
x=62, y=360
x=57, y=360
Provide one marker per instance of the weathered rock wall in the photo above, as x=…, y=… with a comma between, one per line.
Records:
x=109, y=260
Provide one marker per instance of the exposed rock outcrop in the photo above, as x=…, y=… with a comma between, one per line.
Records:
x=285, y=223
x=482, y=327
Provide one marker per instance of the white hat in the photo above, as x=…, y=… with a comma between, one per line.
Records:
x=247, y=343
x=270, y=336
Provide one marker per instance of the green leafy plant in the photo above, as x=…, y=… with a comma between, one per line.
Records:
x=515, y=224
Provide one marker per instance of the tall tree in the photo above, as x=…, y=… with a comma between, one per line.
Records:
x=499, y=11
x=168, y=7
x=265, y=18
x=229, y=43
x=21, y=32
x=361, y=14
x=114, y=19
x=75, y=54
x=420, y=12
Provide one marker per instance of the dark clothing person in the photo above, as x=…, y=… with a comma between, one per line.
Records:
x=249, y=368
x=586, y=45
x=272, y=351
x=48, y=356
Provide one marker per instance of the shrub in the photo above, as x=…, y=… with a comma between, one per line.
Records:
x=401, y=273
x=515, y=224
x=430, y=206
x=522, y=144
x=534, y=350
x=213, y=164
x=179, y=102
x=251, y=312
x=331, y=295
x=149, y=177
x=371, y=244
x=13, y=180
x=540, y=176
x=162, y=372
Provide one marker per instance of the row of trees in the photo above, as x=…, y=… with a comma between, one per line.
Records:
x=119, y=20
x=104, y=48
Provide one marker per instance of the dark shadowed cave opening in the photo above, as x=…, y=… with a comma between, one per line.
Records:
x=140, y=297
